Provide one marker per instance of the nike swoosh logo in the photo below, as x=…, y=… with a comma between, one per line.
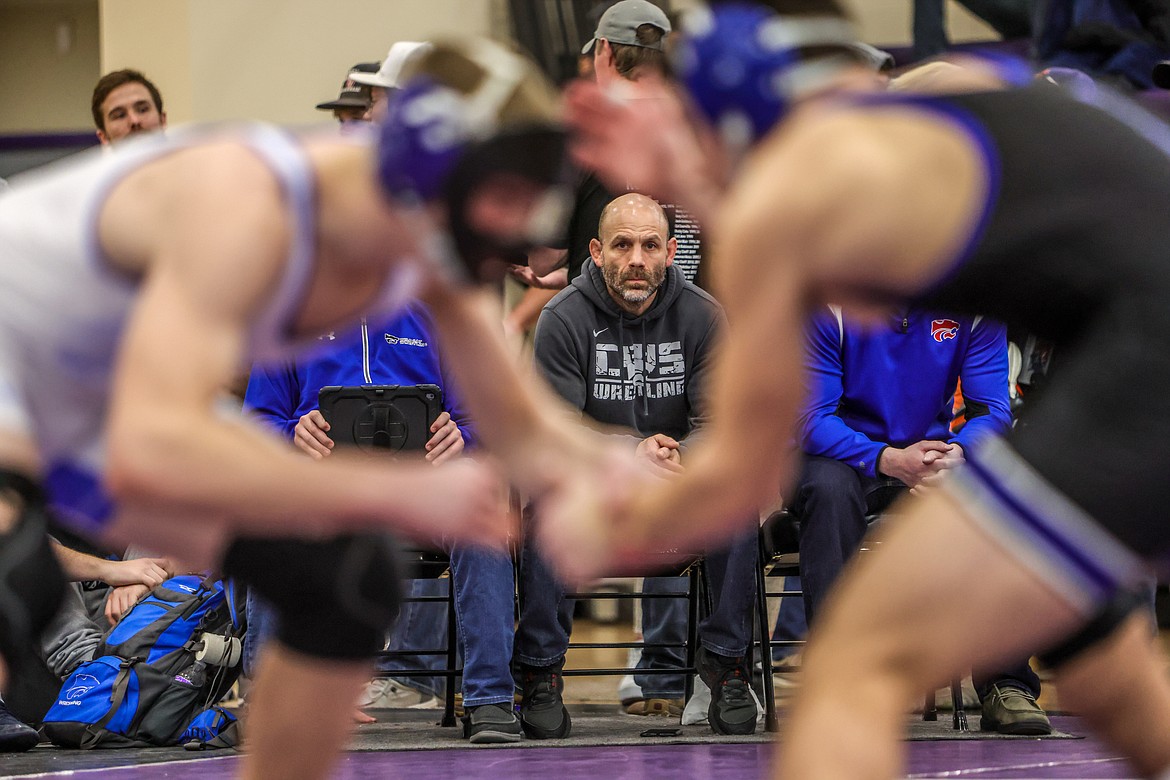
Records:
x=597, y=333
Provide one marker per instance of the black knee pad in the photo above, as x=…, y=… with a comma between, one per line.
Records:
x=32, y=584
x=1100, y=627
x=336, y=599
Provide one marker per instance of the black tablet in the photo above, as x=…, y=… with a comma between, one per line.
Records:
x=381, y=417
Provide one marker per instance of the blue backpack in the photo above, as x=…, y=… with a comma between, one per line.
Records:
x=160, y=669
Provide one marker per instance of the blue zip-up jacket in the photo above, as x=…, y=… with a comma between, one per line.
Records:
x=893, y=383
x=400, y=350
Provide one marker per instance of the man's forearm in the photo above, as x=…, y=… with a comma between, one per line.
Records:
x=516, y=416
x=78, y=566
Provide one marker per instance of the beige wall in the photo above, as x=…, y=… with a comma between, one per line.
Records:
x=151, y=36
x=263, y=59
x=267, y=59
x=45, y=86
x=888, y=22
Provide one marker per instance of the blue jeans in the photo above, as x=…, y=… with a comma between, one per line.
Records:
x=484, y=619
x=546, y=617
x=831, y=504
x=485, y=613
x=421, y=626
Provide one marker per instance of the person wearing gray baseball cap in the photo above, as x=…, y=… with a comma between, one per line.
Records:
x=620, y=23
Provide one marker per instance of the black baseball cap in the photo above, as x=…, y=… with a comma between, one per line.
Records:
x=352, y=95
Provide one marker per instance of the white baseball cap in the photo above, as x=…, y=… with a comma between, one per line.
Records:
x=391, y=70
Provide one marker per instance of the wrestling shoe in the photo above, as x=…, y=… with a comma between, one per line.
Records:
x=1012, y=710
x=732, y=709
x=490, y=724
x=542, y=709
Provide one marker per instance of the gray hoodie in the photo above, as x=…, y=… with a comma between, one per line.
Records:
x=644, y=373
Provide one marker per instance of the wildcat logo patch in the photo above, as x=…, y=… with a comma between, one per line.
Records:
x=940, y=330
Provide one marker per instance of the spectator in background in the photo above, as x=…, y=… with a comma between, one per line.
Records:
x=628, y=44
x=353, y=102
x=402, y=351
x=628, y=343
x=126, y=103
x=876, y=423
x=385, y=80
x=74, y=634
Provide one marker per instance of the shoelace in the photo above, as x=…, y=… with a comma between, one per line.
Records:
x=735, y=690
x=545, y=690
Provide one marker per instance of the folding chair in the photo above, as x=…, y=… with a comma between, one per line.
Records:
x=428, y=564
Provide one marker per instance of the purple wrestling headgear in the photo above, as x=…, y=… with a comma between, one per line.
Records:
x=742, y=64
x=468, y=111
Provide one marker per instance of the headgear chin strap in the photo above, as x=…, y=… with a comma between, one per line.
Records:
x=438, y=142
x=741, y=63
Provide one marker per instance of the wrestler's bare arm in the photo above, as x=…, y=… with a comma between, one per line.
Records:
x=211, y=264
x=517, y=416
x=833, y=208
x=639, y=136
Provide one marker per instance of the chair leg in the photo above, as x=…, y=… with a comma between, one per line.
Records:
x=770, y=721
x=452, y=639
x=691, y=663
x=960, y=718
x=930, y=707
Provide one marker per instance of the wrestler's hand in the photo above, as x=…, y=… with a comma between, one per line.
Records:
x=638, y=135
x=311, y=435
x=580, y=525
x=461, y=501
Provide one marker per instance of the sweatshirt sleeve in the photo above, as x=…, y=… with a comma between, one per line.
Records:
x=984, y=375
x=823, y=432
x=272, y=396
x=557, y=359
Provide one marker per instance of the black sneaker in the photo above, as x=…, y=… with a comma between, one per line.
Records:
x=15, y=735
x=490, y=724
x=732, y=709
x=542, y=709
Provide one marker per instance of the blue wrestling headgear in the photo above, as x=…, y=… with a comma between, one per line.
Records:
x=469, y=111
x=742, y=64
